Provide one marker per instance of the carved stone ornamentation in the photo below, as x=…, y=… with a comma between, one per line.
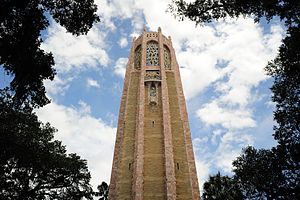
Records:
x=137, y=58
x=167, y=58
x=152, y=93
x=152, y=54
x=152, y=79
x=152, y=75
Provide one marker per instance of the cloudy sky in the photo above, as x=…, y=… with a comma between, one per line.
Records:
x=222, y=63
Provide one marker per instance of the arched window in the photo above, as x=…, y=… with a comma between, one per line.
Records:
x=152, y=54
x=137, y=58
x=167, y=58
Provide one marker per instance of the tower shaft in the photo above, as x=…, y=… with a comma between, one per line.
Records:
x=153, y=157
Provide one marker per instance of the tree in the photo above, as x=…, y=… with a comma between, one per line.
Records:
x=221, y=187
x=32, y=164
x=258, y=174
x=285, y=70
x=202, y=11
x=20, y=31
x=102, y=191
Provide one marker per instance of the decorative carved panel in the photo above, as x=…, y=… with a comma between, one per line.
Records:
x=167, y=58
x=137, y=57
x=152, y=93
x=152, y=75
x=152, y=54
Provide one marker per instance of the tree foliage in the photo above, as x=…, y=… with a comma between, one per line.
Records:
x=258, y=174
x=221, y=187
x=32, y=164
x=102, y=191
x=202, y=11
x=21, y=23
x=285, y=70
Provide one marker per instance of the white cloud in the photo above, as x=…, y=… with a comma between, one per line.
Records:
x=198, y=72
x=246, y=51
x=125, y=9
x=203, y=171
x=84, y=108
x=123, y=42
x=229, y=148
x=216, y=134
x=83, y=134
x=120, y=67
x=200, y=144
x=213, y=114
x=92, y=83
x=58, y=85
x=75, y=53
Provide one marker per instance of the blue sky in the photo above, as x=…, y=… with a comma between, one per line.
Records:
x=227, y=91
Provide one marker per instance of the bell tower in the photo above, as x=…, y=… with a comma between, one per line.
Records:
x=153, y=156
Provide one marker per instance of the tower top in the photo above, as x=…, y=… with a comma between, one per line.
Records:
x=155, y=36
x=145, y=29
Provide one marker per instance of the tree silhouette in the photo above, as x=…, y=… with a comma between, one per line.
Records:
x=102, y=191
x=20, y=31
x=32, y=164
x=202, y=11
x=221, y=187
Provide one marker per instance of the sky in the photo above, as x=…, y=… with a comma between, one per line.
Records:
x=222, y=70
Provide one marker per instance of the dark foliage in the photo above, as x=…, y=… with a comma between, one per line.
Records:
x=202, y=11
x=102, y=191
x=20, y=55
x=258, y=174
x=32, y=164
x=285, y=70
x=221, y=187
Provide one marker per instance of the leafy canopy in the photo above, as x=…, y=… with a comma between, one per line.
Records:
x=20, y=31
x=32, y=164
x=201, y=11
x=258, y=174
x=221, y=187
x=103, y=190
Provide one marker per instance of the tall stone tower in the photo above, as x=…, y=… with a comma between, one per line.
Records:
x=153, y=157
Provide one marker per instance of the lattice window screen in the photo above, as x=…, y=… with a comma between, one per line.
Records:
x=152, y=54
